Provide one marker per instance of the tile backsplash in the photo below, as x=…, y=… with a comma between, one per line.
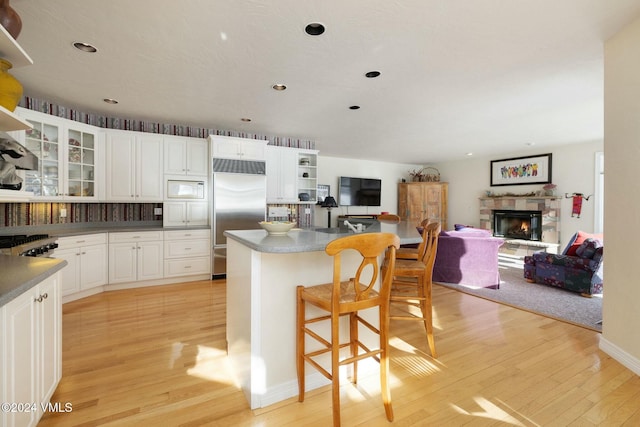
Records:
x=26, y=214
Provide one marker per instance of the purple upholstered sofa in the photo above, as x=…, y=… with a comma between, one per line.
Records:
x=468, y=256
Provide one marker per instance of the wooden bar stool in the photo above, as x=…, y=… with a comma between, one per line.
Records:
x=342, y=298
x=412, y=283
x=412, y=253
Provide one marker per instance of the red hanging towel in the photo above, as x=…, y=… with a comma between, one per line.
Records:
x=577, y=204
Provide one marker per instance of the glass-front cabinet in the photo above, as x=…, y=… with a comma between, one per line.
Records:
x=43, y=140
x=81, y=163
x=68, y=154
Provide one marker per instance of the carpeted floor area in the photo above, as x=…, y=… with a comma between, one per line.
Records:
x=541, y=299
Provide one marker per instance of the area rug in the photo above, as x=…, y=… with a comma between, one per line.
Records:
x=545, y=300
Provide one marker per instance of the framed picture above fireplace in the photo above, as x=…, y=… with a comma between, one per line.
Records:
x=521, y=170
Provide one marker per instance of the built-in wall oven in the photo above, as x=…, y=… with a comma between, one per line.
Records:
x=34, y=245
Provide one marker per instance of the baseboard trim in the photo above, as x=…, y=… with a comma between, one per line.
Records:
x=620, y=355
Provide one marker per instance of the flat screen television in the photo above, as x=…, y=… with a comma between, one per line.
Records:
x=359, y=191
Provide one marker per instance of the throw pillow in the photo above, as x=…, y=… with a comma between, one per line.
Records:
x=460, y=227
x=578, y=239
x=588, y=248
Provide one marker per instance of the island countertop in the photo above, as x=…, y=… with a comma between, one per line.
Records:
x=314, y=239
x=20, y=273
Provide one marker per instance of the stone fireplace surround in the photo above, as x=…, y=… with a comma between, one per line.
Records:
x=548, y=205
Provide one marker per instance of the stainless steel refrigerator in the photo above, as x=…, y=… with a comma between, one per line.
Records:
x=239, y=203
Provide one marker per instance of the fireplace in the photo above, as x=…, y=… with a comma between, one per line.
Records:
x=523, y=225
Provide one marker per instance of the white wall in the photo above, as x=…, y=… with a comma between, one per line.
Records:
x=573, y=168
x=331, y=168
x=621, y=326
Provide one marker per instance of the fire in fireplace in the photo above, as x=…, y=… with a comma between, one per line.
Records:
x=523, y=225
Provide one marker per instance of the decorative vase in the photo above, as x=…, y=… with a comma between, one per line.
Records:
x=10, y=19
x=551, y=192
x=10, y=87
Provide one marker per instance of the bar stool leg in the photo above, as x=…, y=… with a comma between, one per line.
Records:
x=300, y=315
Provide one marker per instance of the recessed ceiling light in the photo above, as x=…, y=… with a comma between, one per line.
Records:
x=245, y=119
x=279, y=87
x=354, y=107
x=372, y=74
x=110, y=101
x=469, y=154
x=314, y=29
x=529, y=144
x=85, y=47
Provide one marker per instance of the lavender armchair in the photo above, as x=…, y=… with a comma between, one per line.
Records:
x=468, y=256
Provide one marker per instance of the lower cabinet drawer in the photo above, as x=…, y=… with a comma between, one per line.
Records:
x=186, y=248
x=187, y=266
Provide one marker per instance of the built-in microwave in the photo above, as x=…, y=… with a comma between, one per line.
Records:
x=185, y=189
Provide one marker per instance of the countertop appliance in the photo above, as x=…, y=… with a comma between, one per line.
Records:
x=35, y=245
x=239, y=203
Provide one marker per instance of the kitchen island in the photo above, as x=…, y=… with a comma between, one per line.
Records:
x=262, y=274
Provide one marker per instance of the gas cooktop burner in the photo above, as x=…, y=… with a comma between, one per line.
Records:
x=20, y=239
x=24, y=245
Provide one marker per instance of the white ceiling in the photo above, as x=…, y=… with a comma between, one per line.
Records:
x=458, y=76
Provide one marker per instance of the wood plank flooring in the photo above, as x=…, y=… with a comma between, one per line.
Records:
x=156, y=357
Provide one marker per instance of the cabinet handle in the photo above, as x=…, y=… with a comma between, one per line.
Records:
x=46, y=295
x=79, y=241
x=187, y=249
x=42, y=297
x=84, y=253
x=39, y=299
x=187, y=266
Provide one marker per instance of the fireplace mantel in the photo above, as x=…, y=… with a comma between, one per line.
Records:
x=548, y=205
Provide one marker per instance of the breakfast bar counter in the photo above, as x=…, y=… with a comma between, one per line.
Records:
x=262, y=274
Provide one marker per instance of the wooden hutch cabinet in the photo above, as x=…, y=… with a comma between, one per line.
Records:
x=420, y=200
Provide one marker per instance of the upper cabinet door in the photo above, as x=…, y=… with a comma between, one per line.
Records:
x=120, y=166
x=175, y=162
x=227, y=147
x=186, y=156
x=44, y=140
x=282, y=167
x=149, y=177
x=197, y=157
x=83, y=166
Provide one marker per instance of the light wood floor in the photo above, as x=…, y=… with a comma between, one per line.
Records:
x=156, y=357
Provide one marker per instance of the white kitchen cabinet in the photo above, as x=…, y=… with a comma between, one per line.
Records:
x=181, y=214
x=228, y=147
x=70, y=158
x=187, y=252
x=87, y=259
x=31, y=351
x=134, y=166
x=135, y=256
x=282, y=172
x=186, y=156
